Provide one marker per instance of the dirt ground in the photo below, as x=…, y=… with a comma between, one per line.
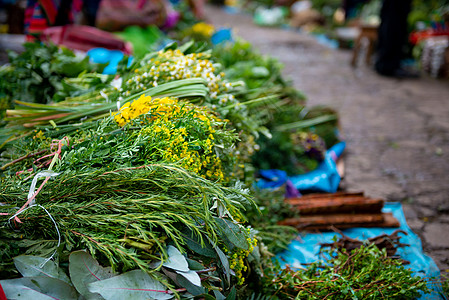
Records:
x=397, y=131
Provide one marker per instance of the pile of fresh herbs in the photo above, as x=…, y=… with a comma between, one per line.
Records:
x=37, y=74
x=363, y=273
x=135, y=190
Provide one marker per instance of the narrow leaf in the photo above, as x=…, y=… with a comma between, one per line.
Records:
x=207, y=297
x=225, y=262
x=131, y=285
x=232, y=294
x=306, y=123
x=194, y=265
x=84, y=269
x=194, y=244
x=219, y=296
x=233, y=232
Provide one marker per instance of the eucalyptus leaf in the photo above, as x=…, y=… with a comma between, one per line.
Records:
x=225, y=262
x=194, y=265
x=206, y=297
x=194, y=244
x=233, y=232
x=219, y=296
x=232, y=294
x=191, y=288
x=176, y=260
x=38, y=288
x=129, y=286
x=191, y=276
x=30, y=266
x=84, y=269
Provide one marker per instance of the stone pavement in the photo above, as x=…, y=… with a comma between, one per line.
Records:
x=397, y=131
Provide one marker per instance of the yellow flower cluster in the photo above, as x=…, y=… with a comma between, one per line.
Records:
x=203, y=29
x=182, y=132
x=39, y=135
x=145, y=105
x=237, y=259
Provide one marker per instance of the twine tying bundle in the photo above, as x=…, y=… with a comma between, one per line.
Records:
x=33, y=193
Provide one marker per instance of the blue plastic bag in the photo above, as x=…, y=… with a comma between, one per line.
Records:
x=325, y=178
x=111, y=57
x=222, y=35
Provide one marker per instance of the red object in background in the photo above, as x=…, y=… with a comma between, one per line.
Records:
x=418, y=36
x=2, y=294
x=83, y=38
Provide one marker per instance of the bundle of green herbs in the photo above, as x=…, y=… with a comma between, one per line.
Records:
x=135, y=191
x=36, y=74
x=176, y=72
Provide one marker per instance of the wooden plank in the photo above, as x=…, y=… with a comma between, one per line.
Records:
x=337, y=205
x=333, y=219
x=341, y=221
x=330, y=195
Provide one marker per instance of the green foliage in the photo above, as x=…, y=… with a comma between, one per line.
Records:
x=271, y=209
x=445, y=283
x=143, y=39
x=45, y=279
x=130, y=205
x=327, y=8
x=364, y=273
x=36, y=74
x=426, y=11
x=289, y=148
x=275, y=104
x=38, y=287
x=117, y=196
x=261, y=74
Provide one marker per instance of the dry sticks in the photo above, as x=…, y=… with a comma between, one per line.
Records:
x=340, y=210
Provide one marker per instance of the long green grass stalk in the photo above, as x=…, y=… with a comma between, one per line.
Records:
x=38, y=114
x=306, y=123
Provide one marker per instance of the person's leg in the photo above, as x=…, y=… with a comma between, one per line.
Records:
x=392, y=35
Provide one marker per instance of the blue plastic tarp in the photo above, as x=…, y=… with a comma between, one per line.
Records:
x=305, y=249
x=324, y=179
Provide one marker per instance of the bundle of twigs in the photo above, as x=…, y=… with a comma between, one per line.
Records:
x=389, y=242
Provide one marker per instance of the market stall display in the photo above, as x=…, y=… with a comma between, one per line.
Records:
x=140, y=183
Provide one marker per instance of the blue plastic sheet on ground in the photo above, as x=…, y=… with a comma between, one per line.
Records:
x=306, y=248
x=325, y=178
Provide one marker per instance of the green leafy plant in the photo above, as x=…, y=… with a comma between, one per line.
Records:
x=36, y=74
x=364, y=273
x=127, y=189
x=271, y=208
x=88, y=279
